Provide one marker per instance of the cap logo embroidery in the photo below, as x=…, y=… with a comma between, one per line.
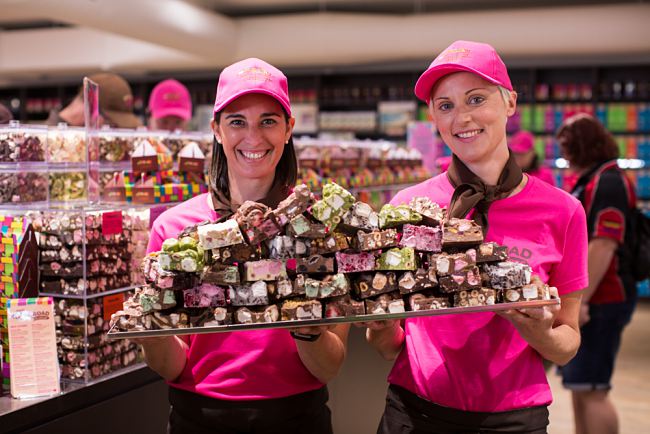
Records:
x=128, y=100
x=171, y=96
x=454, y=54
x=255, y=73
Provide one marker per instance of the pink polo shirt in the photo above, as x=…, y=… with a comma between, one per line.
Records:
x=237, y=366
x=478, y=361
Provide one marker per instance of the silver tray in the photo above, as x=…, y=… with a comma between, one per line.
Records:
x=113, y=334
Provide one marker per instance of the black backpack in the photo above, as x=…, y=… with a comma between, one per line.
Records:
x=640, y=247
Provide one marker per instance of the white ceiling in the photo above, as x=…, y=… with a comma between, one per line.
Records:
x=141, y=36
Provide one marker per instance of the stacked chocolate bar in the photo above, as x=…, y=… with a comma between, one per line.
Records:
x=314, y=259
x=69, y=239
x=84, y=352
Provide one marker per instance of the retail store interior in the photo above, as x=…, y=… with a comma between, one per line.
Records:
x=78, y=200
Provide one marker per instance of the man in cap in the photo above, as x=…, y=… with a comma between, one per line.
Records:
x=115, y=104
x=170, y=106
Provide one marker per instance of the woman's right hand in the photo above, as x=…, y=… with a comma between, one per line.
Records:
x=378, y=325
x=166, y=355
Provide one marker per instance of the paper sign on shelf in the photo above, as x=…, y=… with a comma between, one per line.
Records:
x=32, y=347
x=112, y=303
x=112, y=222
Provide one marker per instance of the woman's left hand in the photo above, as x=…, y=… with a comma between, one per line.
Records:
x=532, y=320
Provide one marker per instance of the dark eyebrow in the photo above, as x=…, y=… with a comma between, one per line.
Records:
x=270, y=114
x=235, y=116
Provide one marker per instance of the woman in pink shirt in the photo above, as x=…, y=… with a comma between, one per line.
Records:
x=522, y=146
x=270, y=381
x=483, y=372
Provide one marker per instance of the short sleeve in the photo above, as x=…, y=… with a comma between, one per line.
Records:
x=570, y=274
x=609, y=208
x=156, y=237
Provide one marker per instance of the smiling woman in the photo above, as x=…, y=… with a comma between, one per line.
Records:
x=483, y=372
x=267, y=381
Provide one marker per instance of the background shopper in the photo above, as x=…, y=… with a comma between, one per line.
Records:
x=522, y=146
x=115, y=104
x=170, y=106
x=607, y=305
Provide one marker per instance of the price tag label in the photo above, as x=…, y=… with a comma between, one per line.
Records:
x=112, y=222
x=112, y=303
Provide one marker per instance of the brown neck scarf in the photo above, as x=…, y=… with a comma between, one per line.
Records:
x=225, y=208
x=470, y=192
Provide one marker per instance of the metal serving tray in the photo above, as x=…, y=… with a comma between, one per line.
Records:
x=113, y=334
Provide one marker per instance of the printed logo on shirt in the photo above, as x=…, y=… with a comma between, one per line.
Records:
x=519, y=254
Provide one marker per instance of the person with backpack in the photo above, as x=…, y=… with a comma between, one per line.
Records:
x=608, y=302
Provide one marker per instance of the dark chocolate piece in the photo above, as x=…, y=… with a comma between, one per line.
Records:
x=315, y=264
x=475, y=297
x=371, y=284
x=385, y=303
x=422, y=278
x=466, y=279
x=343, y=306
x=301, y=310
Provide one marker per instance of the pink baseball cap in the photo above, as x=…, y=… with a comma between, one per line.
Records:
x=251, y=76
x=521, y=142
x=170, y=98
x=475, y=57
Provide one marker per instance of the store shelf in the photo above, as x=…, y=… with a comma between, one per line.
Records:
x=88, y=296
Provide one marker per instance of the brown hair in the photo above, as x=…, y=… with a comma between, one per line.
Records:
x=584, y=141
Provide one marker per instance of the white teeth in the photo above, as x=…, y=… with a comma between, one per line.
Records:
x=468, y=134
x=253, y=155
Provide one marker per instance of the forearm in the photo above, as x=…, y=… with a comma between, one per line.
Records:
x=323, y=357
x=388, y=341
x=600, y=254
x=166, y=356
x=558, y=344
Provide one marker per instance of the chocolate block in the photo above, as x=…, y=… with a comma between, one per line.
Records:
x=256, y=222
x=330, y=244
x=221, y=274
x=475, y=297
x=56, y=269
x=294, y=205
x=245, y=315
x=254, y=294
x=343, y=306
x=174, y=320
x=446, y=263
x=284, y=288
x=422, y=238
x=220, y=316
x=385, y=303
x=508, y=274
x=397, y=259
x=535, y=290
x=427, y=302
x=235, y=254
x=431, y=212
x=376, y=240
x=359, y=217
x=330, y=286
x=490, y=252
x=292, y=310
x=266, y=269
x=423, y=278
x=315, y=264
x=336, y=202
x=355, y=262
x=282, y=247
x=371, y=284
x=301, y=226
x=198, y=317
x=216, y=235
x=460, y=232
x=205, y=295
x=154, y=299
x=155, y=275
x=468, y=278
x=392, y=216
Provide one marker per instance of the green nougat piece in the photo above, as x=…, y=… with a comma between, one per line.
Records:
x=171, y=245
x=326, y=214
x=188, y=243
x=300, y=225
x=397, y=259
x=337, y=197
x=392, y=216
